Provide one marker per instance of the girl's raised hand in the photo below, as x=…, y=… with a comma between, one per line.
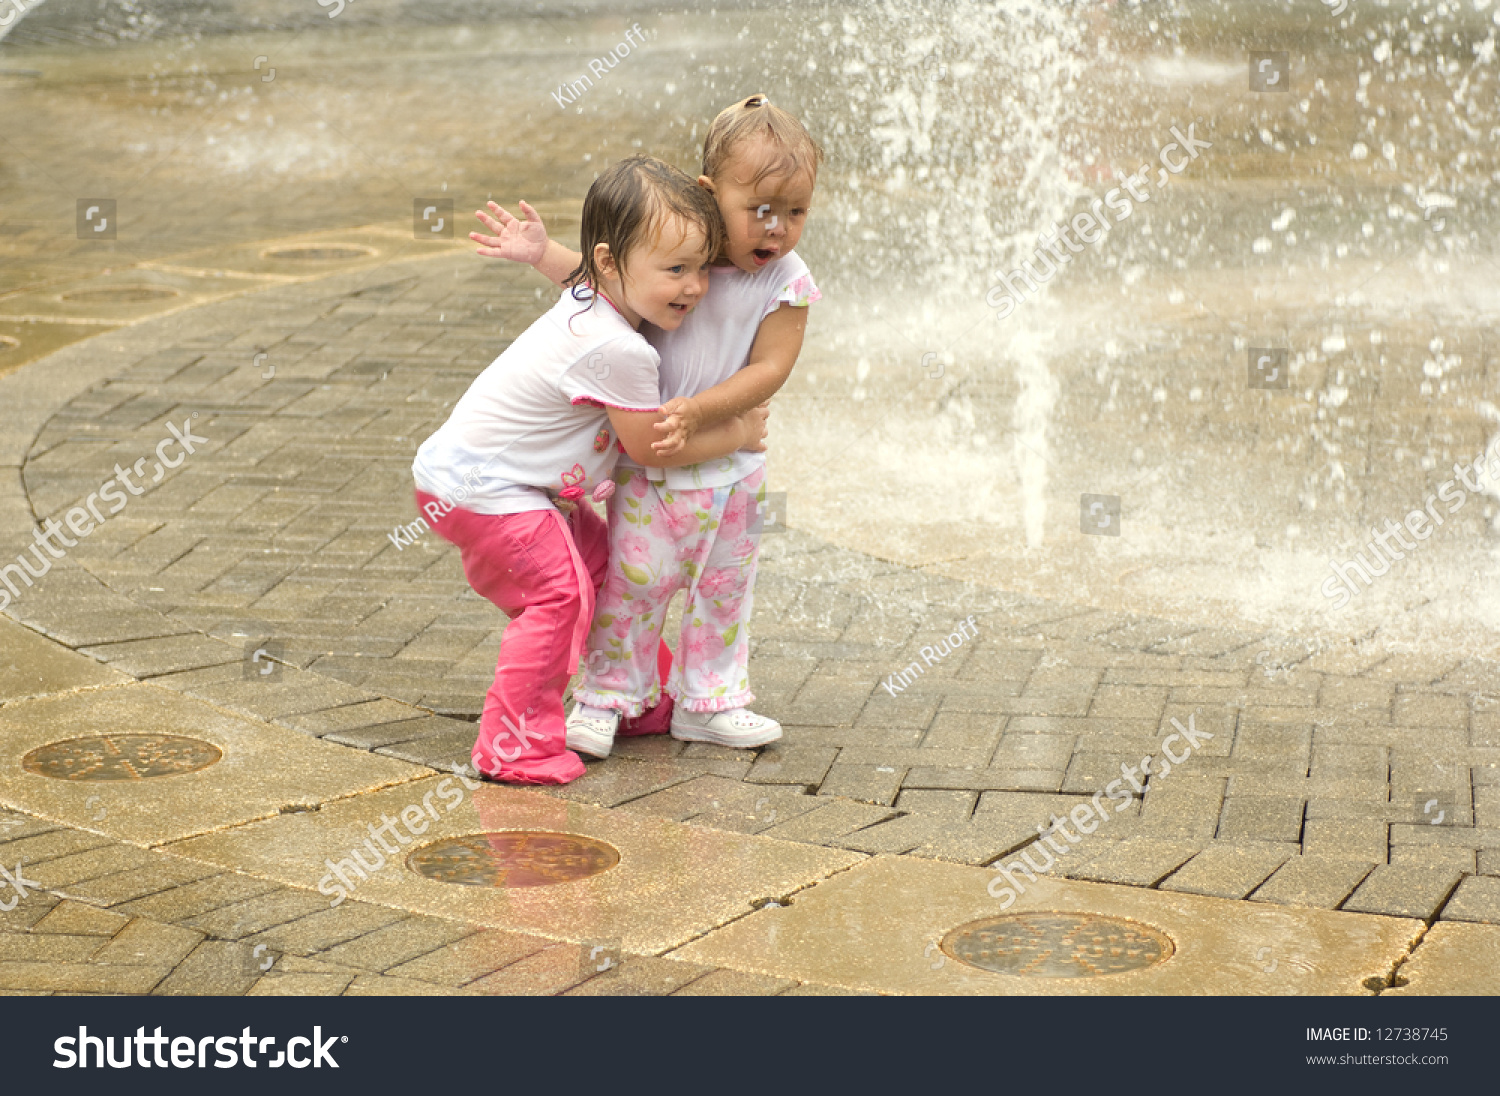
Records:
x=519, y=241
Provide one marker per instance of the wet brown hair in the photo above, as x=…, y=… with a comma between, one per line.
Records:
x=631, y=203
x=757, y=117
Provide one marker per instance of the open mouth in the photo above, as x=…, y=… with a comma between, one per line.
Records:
x=764, y=254
x=679, y=307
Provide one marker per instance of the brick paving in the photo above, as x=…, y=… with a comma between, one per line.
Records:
x=191, y=929
x=1313, y=790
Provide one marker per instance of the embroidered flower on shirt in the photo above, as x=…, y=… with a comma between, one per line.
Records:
x=573, y=483
x=601, y=439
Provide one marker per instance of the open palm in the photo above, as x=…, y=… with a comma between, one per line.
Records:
x=517, y=240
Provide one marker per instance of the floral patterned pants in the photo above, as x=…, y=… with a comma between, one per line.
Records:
x=705, y=541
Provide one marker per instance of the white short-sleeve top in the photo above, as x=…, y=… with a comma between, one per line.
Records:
x=534, y=422
x=713, y=343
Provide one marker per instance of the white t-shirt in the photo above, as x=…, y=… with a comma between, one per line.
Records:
x=713, y=343
x=534, y=421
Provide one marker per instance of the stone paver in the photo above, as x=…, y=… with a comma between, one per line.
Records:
x=231, y=935
x=1228, y=871
x=1477, y=899
x=1313, y=881
x=1404, y=891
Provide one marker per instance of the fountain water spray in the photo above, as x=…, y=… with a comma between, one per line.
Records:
x=957, y=146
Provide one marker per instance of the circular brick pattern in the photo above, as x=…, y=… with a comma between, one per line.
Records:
x=520, y=858
x=1058, y=945
x=121, y=757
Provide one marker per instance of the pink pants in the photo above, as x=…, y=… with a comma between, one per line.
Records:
x=543, y=571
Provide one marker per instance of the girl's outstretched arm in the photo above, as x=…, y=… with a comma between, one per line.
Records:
x=524, y=242
x=635, y=429
x=777, y=344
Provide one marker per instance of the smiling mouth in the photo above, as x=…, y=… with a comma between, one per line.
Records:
x=679, y=307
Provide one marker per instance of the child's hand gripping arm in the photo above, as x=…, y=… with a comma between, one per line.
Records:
x=777, y=344
x=635, y=429
x=525, y=242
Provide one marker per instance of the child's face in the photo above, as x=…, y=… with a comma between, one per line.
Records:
x=664, y=280
x=764, y=219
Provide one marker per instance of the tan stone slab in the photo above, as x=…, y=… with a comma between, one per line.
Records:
x=39, y=948
x=263, y=768
x=877, y=927
x=673, y=881
x=1454, y=959
x=82, y=919
x=80, y=977
x=33, y=665
x=144, y=942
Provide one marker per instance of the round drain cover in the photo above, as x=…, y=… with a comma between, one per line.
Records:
x=1058, y=945
x=516, y=858
x=121, y=757
x=318, y=254
x=121, y=294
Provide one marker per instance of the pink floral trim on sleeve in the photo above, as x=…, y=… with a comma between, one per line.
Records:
x=799, y=294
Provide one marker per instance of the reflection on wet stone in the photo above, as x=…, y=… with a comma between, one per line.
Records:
x=1058, y=945
x=123, y=294
x=121, y=757
x=319, y=254
x=517, y=859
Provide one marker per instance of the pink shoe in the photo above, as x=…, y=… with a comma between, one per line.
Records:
x=657, y=720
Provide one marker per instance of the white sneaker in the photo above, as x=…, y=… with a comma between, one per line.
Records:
x=592, y=735
x=738, y=728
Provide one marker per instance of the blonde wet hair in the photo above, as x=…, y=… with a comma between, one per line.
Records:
x=756, y=117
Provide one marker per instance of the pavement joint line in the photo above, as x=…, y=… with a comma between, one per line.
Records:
x=791, y=894
x=229, y=827
x=1393, y=979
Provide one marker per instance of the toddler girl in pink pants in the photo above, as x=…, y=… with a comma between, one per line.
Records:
x=538, y=432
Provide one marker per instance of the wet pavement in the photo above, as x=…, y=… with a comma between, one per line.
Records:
x=1337, y=812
